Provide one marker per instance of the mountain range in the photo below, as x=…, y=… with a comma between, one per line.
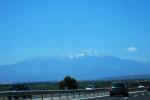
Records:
x=80, y=66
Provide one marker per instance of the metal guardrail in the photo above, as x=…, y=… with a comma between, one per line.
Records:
x=52, y=93
x=56, y=93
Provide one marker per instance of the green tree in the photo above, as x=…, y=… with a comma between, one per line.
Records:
x=68, y=83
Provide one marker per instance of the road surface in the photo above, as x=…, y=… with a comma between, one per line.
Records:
x=141, y=95
x=133, y=96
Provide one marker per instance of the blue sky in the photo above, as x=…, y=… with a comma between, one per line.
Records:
x=32, y=28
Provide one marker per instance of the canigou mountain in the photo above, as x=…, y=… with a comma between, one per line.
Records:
x=80, y=66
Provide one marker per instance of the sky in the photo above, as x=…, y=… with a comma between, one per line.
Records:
x=33, y=28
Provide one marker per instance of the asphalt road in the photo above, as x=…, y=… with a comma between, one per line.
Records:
x=132, y=96
x=144, y=95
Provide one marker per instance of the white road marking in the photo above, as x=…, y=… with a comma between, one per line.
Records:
x=142, y=94
x=135, y=95
x=91, y=97
x=125, y=98
x=108, y=95
x=137, y=92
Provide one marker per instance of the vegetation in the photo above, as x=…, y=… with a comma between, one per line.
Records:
x=71, y=83
x=68, y=83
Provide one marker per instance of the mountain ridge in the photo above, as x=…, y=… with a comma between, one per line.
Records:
x=87, y=67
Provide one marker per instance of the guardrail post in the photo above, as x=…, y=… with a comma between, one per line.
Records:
x=94, y=93
x=31, y=98
x=106, y=92
x=42, y=97
x=60, y=95
x=51, y=96
x=79, y=94
x=84, y=93
x=67, y=94
x=73, y=94
x=3, y=97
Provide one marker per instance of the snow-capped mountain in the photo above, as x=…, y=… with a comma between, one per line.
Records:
x=83, y=54
x=82, y=66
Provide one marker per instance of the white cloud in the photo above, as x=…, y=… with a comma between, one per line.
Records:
x=132, y=49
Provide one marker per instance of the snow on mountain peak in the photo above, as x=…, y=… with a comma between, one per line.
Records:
x=83, y=54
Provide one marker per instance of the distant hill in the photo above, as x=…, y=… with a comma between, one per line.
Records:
x=81, y=66
x=129, y=77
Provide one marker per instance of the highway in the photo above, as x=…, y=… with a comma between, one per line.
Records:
x=144, y=95
x=132, y=96
x=137, y=95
